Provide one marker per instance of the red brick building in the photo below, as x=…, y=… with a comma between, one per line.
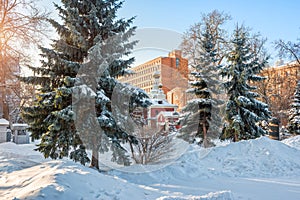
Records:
x=160, y=111
x=173, y=71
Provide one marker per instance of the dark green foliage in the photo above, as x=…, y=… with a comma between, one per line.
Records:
x=103, y=105
x=204, y=84
x=243, y=110
x=294, y=115
x=51, y=116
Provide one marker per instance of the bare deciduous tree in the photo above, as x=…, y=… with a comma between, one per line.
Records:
x=22, y=24
x=289, y=49
x=277, y=91
x=192, y=38
x=153, y=145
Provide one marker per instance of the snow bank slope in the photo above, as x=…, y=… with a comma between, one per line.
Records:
x=293, y=141
x=261, y=157
x=253, y=169
x=222, y=195
x=244, y=170
x=25, y=174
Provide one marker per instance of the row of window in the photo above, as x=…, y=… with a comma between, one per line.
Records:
x=146, y=84
x=148, y=70
x=289, y=72
x=149, y=65
x=142, y=79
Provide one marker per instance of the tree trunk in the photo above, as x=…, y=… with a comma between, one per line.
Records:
x=95, y=158
x=132, y=151
x=235, y=139
x=205, y=143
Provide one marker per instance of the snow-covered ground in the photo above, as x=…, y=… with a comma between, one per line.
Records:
x=255, y=169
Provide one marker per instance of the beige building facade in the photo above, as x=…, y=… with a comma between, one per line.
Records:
x=277, y=90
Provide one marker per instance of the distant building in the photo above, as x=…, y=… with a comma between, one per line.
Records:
x=282, y=77
x=278, y=88
x=173, y=72
x=168, y=120
x=161, y=114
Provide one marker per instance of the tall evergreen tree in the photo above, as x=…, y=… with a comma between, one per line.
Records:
x=294, y=115
x=204, y=85
x=243, y=110
x=87, y=25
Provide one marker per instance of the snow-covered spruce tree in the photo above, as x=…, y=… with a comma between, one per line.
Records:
x=243, y=110
x=294, y=115
x=204, y=85
x=103, y=105
x=85, y=23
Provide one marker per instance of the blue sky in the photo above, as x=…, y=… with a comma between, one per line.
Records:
x=274, y=19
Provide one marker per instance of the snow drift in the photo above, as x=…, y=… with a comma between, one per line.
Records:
x=254, y=169
x=261, y=157
x=293, y=142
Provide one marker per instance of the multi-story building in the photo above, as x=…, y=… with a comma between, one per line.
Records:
x=278, y=88
x=173, y=71
x=160, y=114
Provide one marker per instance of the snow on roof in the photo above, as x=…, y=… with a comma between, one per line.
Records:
x=19, y=125
x=4, y=122
x=161, y=103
